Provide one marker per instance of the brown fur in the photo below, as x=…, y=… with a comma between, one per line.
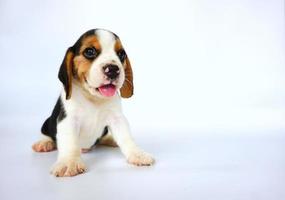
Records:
x=81, y=67
x=69, y=64
x=118, y=45
x=90, y=41
x=65, y=72
x=108, y=140
x=81, y=64
x=127, y=89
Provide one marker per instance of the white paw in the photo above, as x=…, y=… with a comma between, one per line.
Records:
x=140, y=158
x=70, y=167
x=44, y=145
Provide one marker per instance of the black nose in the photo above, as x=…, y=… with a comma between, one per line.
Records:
x=111, y=71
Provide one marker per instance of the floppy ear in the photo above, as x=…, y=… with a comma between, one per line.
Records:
x=65, y=72
x=127, y=89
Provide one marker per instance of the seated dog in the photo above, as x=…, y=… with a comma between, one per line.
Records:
x=93, y=73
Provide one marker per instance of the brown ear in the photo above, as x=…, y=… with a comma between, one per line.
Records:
x=65, y=72
x=127, y=89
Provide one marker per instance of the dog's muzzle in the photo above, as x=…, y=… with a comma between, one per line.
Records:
x=111, y=71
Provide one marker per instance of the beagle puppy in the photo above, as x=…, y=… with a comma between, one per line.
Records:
x=95, y=74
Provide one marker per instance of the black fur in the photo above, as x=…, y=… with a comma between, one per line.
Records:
x=105, y=131
x=58, y=114
x=78, y=43
x=63, y=74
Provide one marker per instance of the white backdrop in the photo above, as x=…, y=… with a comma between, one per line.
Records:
x=209, y=99
x=198, y=65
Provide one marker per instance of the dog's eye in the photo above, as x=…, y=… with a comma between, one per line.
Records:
x=122, y=55
x=90, y=53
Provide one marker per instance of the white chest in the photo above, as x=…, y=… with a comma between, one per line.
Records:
x=90, y=117
x=91, y=126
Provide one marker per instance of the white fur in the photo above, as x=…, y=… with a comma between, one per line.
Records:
x=96, y=76
x=86, y=118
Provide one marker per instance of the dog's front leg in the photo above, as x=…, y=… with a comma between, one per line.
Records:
x=69, y=162
x=120, y=130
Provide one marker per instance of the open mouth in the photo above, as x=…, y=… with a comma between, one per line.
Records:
x=108, y=90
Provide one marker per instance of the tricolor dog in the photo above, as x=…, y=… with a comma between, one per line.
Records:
x=95, y=74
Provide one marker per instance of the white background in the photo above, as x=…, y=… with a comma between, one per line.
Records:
x=201, y=69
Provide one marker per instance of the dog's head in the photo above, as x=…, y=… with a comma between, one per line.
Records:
x=99, y=64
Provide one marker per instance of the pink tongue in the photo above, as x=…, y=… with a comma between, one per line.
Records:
x=107, y=90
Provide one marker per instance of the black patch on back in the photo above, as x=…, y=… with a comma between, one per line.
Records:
x=58, y=114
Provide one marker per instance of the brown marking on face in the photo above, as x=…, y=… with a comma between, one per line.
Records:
x=90, y=41
x=82, y=65
x=118, y=45
x=127, y=89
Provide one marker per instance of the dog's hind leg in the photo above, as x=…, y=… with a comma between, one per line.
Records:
x=46, y=144
x=49, y=129
x=108, y=140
